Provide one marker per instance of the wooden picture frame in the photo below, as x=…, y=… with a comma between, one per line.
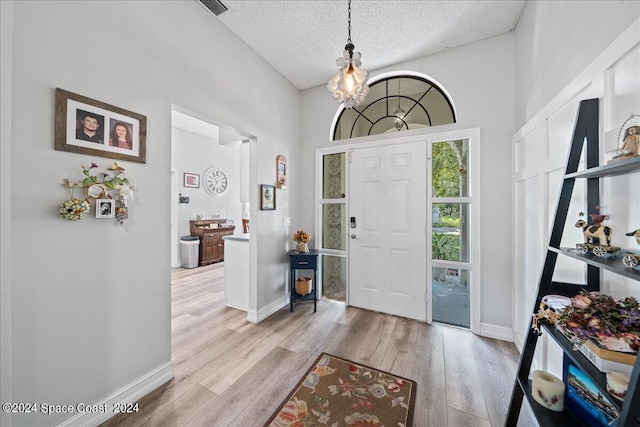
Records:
x=281, y=172
x=105, y=208
x=267, y=197
x=86, y=126
x=191, y=180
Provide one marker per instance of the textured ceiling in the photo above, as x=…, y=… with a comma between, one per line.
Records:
x=302, y=38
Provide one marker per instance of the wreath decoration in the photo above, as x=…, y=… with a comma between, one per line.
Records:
x=74, y=209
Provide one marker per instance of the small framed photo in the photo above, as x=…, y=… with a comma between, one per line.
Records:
x=267, y=197
x=105, y=208
x=281, y=172
x=191, y=180
x=84, y=125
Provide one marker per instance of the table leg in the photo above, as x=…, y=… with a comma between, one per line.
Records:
x=291, y=289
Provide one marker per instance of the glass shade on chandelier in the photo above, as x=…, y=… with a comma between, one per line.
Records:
x=398, y=117
x=349, y=86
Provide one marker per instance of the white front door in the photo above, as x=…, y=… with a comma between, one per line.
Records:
x=387, y=234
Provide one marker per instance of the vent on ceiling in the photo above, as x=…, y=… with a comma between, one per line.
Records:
x=214, y=6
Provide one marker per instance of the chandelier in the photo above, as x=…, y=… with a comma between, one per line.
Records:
x=349, y=86
x=398, y=115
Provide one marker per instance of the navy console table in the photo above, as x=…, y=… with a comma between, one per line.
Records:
x=303, y=261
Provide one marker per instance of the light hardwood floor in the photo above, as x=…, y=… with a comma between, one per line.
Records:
x=233, y=373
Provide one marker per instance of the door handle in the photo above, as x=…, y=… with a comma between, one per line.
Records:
x=353, y=236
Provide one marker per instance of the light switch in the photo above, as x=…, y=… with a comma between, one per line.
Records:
x=286, y=221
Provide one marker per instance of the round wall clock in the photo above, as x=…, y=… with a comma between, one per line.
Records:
x=215, y=181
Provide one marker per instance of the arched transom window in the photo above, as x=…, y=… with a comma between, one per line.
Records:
x=395, y=104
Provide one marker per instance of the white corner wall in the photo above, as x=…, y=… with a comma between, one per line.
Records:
x=599, y=58
x=480, y=79
x=556, y=40
x=90, y=300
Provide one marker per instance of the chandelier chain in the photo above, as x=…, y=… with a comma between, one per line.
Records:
x=349, y=86
x=349, y=38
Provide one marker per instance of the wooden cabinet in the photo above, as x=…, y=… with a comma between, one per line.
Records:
x=211, y=232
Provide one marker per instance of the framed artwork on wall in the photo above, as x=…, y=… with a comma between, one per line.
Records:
x=267, y=197
x=281, y=172
x=191, y=180
x=84, y=125
x=105, y=208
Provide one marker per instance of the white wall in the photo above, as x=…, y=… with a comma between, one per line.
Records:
x=6, y=53
x=598, y=58
x=91, y=299
x=556, y=40
x=479, y=77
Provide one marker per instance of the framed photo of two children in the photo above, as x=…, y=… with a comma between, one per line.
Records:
x=84, y=125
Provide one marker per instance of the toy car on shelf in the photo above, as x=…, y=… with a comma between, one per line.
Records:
x=597, y=238
x=632, y=260
x=598, y=250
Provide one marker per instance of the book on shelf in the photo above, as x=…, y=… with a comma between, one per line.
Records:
x=607, y=360
x=603, y=359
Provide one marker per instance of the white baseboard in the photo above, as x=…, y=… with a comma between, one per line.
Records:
x=518, y=341
x=128, y=394
x=496, y=332
x=254, y=316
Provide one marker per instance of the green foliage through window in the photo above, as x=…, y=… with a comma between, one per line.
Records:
x=446, y=171
x=446, y=246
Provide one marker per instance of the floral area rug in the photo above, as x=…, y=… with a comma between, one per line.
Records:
x=336, y=392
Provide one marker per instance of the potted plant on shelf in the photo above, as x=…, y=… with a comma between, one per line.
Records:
x=301, y=238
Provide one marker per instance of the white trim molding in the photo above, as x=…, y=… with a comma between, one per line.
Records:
x=497, y=332
x=254, y=316
x=130, y=393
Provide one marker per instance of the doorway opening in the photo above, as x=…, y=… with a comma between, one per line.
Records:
x=200, y=148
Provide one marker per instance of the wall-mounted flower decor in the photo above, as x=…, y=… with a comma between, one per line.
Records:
x=74, y=209
x=111, y=184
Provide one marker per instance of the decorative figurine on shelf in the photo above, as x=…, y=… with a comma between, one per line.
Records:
x=597, y=237
x=632, y=260
x=630, y=142
x=301, y=238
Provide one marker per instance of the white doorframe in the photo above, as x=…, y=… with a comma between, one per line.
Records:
x=428, y=135
x=175, y=250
